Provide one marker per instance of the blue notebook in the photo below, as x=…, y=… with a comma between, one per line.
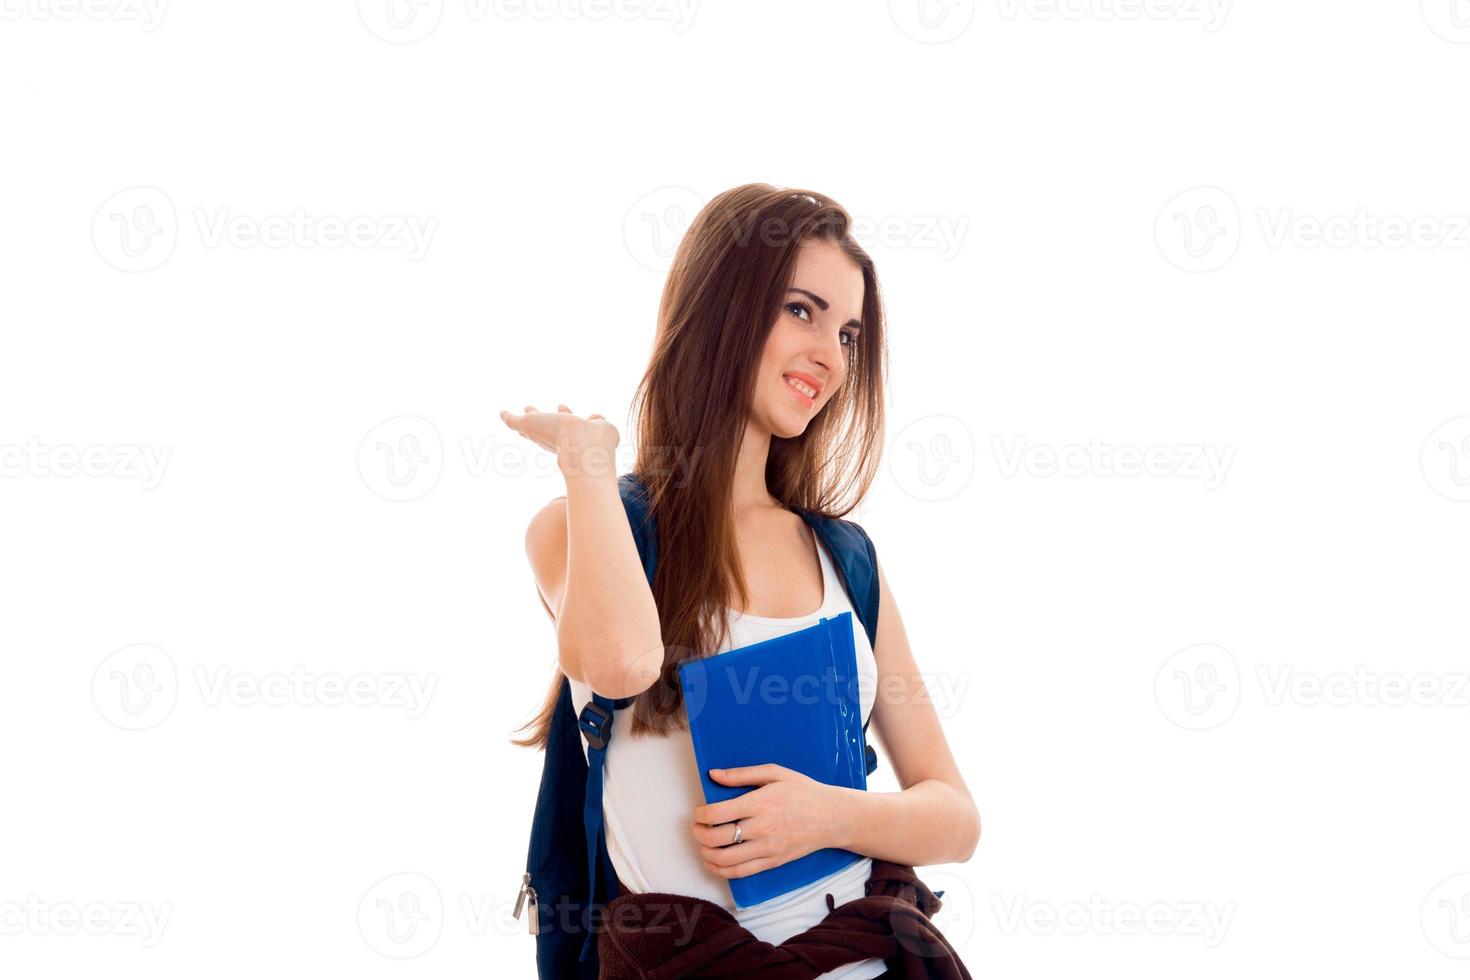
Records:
x=792, y=700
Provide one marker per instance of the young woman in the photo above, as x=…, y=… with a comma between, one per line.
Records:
x=764, y=393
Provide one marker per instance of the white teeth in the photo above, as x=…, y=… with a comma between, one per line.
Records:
x=802, y=387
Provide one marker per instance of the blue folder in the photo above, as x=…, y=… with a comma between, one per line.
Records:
x=792, y=700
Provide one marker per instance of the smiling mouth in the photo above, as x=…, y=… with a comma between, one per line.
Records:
x=803, y=391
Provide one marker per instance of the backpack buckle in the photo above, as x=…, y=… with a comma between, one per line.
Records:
x=597, y=725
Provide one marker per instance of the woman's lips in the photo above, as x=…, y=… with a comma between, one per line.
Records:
x=800, y=396
x=809, y=380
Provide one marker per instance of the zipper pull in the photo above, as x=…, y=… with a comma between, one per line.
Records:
x=521, y=897
x=533, y=919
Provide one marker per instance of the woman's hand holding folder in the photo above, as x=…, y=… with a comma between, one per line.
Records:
x=787, y=816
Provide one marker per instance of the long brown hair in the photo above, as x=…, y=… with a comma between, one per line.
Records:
x=724, y=292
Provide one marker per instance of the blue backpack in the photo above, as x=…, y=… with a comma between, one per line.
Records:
x=569, y=873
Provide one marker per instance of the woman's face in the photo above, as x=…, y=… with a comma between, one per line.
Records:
x=820, y=318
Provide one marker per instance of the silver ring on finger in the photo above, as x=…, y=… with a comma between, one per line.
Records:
x=738, y=832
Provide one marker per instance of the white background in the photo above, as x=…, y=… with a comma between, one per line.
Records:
x=1229, y=231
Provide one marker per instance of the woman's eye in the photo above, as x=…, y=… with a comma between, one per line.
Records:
x=804, y=311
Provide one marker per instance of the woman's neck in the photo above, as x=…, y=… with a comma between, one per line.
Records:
x=750, y=493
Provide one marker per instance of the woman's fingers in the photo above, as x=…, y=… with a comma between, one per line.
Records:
x=540, y=427
x=723, y=835
x=744, y=853
x=560, y=407
x=743, y=869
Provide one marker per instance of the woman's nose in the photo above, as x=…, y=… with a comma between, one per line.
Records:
x=829, y=352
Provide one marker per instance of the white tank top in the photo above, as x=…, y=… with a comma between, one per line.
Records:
x=651, y=787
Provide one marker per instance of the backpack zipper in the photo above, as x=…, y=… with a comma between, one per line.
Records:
x=533, y=912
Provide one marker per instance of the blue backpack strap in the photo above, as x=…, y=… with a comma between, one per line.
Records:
x=857, y=566
x=595, y=721
x=596, y=717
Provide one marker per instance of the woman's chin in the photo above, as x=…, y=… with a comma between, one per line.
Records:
x=790, y=428
x=787, y=423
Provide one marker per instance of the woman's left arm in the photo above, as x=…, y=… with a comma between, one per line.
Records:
x=933, y=819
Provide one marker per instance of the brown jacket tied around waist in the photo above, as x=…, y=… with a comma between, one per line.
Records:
x=659, y=936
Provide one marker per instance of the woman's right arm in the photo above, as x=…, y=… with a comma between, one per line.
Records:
x=586, y=562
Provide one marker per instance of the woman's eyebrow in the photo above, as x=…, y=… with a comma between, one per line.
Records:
x=823, y=304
